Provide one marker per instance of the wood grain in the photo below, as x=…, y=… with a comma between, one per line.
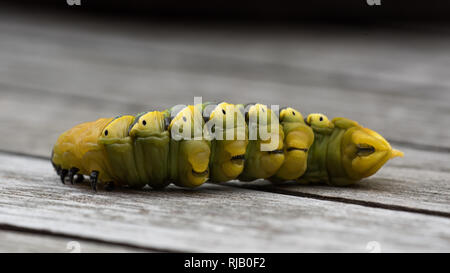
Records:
x=17, y=242
x=212, y=218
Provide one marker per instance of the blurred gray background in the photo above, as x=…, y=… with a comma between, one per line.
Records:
x=62, y=65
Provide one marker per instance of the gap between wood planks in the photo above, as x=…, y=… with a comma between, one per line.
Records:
x=364, y=203
x=33, y=231
x=278, y=190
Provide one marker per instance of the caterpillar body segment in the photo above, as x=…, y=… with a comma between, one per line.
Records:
x=119, y=150
x=151, y=146
x=264, y=155
x=228, y=148
x=244, y=142
x=297, y=142
x=189, y=158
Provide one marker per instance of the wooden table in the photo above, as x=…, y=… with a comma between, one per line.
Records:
x=57, y=71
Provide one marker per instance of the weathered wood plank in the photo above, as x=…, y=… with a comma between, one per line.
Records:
x=212, y=218
x=393, y=84
x=420, y=180
x=17, y=242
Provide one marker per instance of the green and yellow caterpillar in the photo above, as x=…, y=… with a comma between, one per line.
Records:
x=189, y=145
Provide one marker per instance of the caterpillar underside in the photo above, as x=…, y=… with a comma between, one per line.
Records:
x=190, y=145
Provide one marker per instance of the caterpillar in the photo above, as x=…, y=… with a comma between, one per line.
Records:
x=189, y=145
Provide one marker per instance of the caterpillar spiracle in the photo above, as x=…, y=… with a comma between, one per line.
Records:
x=207, y=142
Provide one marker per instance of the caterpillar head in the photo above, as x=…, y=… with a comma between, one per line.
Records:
x=266, y=154
x=298, y=139
x=228, y=123
x=193, y=150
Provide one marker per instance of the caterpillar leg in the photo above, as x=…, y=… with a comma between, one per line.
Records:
x=109, y=186
x=57, y=170
x=94, y=179
x=80, y=178
x=63, y=173
x=71, y=173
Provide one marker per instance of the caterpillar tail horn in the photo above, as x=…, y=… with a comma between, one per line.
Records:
x=396, y=153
